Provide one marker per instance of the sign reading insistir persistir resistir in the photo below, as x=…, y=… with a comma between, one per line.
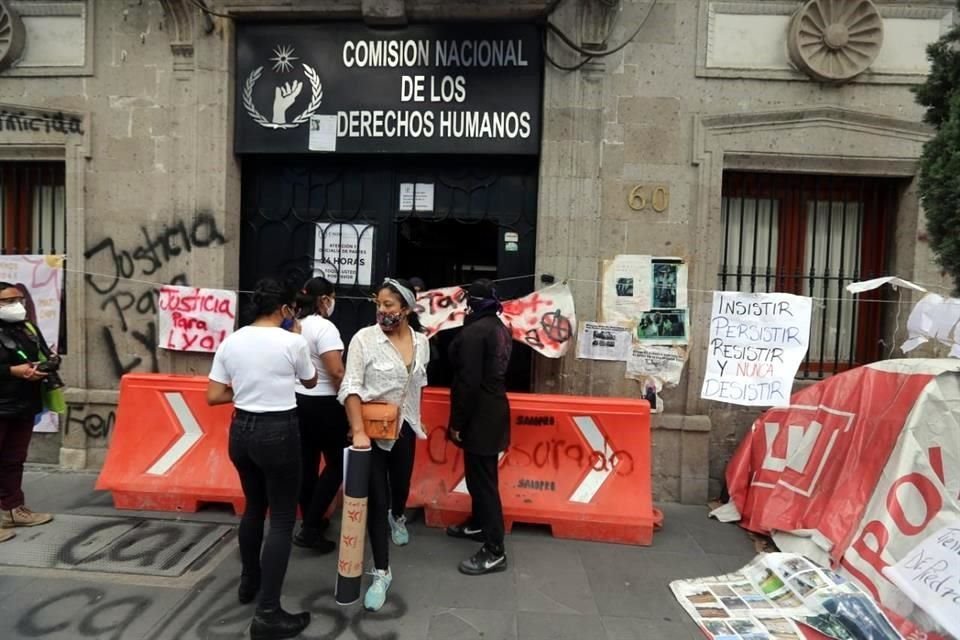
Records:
x=757, y=342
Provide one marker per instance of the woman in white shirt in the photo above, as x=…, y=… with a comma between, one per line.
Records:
x=255, y=368
x=323, y=422
x=387, y=363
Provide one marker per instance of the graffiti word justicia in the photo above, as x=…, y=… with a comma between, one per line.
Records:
x=135, y=304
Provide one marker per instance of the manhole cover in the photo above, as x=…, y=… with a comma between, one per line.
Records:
x=113, y=545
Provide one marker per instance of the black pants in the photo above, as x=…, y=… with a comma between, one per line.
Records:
x=482, y=473
x=265, y=449
x=390, y=473
x=323, y=432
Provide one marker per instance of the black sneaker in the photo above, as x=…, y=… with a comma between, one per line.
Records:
x=249, y=586
x=277, y=624
x=465, y=530
x=486, y=560
x=313, y=539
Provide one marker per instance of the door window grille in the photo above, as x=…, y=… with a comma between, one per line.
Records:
x=33, y=218
x=812, y=235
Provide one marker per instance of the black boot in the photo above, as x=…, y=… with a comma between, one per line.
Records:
x=249, y=586
x=487, y=560
x=277, y=624
x=466, y=530
x=310, y=538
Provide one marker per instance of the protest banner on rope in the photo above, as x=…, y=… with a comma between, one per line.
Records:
x=545, y=320
x=194, y=319
x=757, y=342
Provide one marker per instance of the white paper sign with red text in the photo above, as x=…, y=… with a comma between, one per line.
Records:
x=194, y=319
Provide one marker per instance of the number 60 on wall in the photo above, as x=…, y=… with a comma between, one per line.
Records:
x=645, y=196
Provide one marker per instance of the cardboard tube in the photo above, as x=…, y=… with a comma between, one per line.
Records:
x=353, y=526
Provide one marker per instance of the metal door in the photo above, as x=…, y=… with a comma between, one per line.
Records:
x=285, y=198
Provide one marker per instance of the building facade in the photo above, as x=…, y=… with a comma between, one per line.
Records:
x=771, y=145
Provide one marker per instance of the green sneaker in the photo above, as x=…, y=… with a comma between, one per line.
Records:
x=377, y=593
x=398, y=530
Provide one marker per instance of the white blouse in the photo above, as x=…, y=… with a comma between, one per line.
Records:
x=376, y=372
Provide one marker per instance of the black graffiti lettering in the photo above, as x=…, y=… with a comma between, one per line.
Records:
x=23, y=121
x=134, y=307
x=149, y=342
x=147, y=303
x=95, y=425
x=31, y=624
x=122, y=302
x=119, y=367
x=135, y=605
x=121, y=264
x=532, y=338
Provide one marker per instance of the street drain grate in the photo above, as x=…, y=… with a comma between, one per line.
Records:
x=136, y=546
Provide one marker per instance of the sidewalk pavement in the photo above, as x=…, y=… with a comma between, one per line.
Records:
x=98, y=573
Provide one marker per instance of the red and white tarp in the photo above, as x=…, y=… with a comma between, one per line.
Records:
x=858, y=471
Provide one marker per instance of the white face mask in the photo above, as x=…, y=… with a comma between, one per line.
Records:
x=13, y=312
x=330, y=308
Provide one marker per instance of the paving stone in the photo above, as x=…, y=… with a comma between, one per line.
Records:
x=472, y=624
x=618, y=628
x=549, y=626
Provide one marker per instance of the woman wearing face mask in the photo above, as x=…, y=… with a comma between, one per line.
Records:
x=255, y=368
x=323, y=422
x=387, y=363
x=21, y=398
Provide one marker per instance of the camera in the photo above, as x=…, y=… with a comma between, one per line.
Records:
x=50, y=367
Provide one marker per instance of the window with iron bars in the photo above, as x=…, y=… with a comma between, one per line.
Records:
x=813, y=235
x=33, y=217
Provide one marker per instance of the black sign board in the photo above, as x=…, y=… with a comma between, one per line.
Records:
x=343, y=87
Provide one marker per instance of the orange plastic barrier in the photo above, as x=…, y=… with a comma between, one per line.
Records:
x=168, y=451
x=579, y=465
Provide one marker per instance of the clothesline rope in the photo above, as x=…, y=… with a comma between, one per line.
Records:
x=851, y=297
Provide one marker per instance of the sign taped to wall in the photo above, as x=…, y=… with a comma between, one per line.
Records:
x=757, y=343
x=603, y=342
x=194, y=319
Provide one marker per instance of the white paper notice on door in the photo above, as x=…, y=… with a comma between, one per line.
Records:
x=406, y=196
x=423, y=196
x=344, y=253
x=323, y=133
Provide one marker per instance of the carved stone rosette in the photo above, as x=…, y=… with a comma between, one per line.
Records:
x=12, y=36
x=835, y=40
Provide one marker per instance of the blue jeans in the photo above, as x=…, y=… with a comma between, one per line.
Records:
x=265, y=449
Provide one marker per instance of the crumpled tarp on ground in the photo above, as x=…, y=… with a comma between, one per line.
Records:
x=857, y=472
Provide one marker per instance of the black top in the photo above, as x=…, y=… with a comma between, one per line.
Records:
x=479, y=409
x=19, y=398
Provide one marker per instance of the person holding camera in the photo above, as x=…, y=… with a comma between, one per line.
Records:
x=27, y=366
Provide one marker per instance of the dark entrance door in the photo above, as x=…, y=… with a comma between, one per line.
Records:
x=482, y=223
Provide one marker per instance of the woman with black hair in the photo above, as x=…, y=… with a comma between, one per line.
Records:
x=22, y=380
x=255, y=368
x=387, y=363
x=323, y=422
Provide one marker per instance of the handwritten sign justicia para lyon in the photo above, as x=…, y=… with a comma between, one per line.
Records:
x=194, y=319
x=757, y=342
